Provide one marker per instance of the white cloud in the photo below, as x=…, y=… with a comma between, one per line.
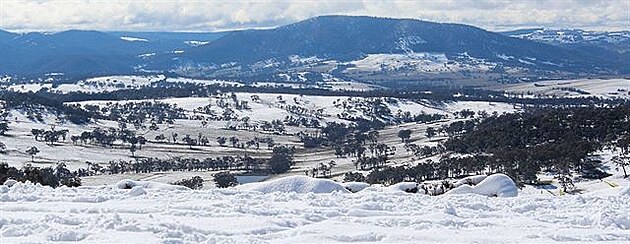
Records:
x=211, y=15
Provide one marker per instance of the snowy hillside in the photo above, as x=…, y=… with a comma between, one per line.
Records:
x=420, y=62
x=105, y=214
x=572, y=36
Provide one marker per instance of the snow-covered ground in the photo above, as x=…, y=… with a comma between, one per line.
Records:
x=113, y=83
x=605, y=88
x=267, y=106
x=151, y=213
x=133, y=39
x=421, y=62
x=263, y=107
x=5, y=78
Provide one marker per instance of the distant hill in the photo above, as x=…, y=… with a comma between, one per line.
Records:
x=5, y=35
x=603, y=44
x=618, y=41
x=78, y=52
x=348, y=38
x=327, y=48
x=344, y=39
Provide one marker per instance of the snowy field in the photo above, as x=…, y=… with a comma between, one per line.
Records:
x=265, y=107
x=112, y=83
x=158, y=214
x=605, y=88
x=421, y=62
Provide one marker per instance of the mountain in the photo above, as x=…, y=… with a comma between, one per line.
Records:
x=71, y=52
x=328, y=48
x=607, y=45
x=348, y=38
x=614, y=40
x=177, y=39
x=79, y=52
x=5, y=36
x=344, y=39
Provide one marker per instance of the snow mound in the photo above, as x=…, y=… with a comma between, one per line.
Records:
x=355, y=186
x=474, y=180
x=130, y=184
x=625, y=191
x=10, y=182
x=31, y=213
x=410, y=187
x=401, y=187
x=499, y=185
x=137, y=191
x=66, y=236
x=297, y=184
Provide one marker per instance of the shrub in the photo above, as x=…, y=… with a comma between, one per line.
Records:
x=194, y=183
x=353, y=177
x=225, y=179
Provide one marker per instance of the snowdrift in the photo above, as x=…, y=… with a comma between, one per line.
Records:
x=498, y=185
x=31, y=213
x=475, y=179
x=298, y=184
x=355, y=186
x=130, y=184
x=409, y=187
x=401, y=187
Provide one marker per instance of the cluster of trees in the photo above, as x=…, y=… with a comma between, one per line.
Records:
x=336, y=134
x=353, y=141
x=322, y=169
x=405, y=135
x=225, y=179
x=454, y=128
x=561, y=141
x=36, y=103
x=275, y=126
x=107, y=138
x=422, y=117
x=148, y=165
x=138, y=113
x=300, y=121
x=622, y=160
x=424, y=151
x=550, y=139
x=280, y=161
x=255, y=142
x=372, y=108
x=423, y=171
x=49, y=136
x=53, y=177
x=302, y=111
x=228, y=103
x=4, y=123
x=4, y=127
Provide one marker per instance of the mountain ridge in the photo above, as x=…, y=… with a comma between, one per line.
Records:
x=358, y=48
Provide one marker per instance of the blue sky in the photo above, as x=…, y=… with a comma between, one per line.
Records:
x=214, y=15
